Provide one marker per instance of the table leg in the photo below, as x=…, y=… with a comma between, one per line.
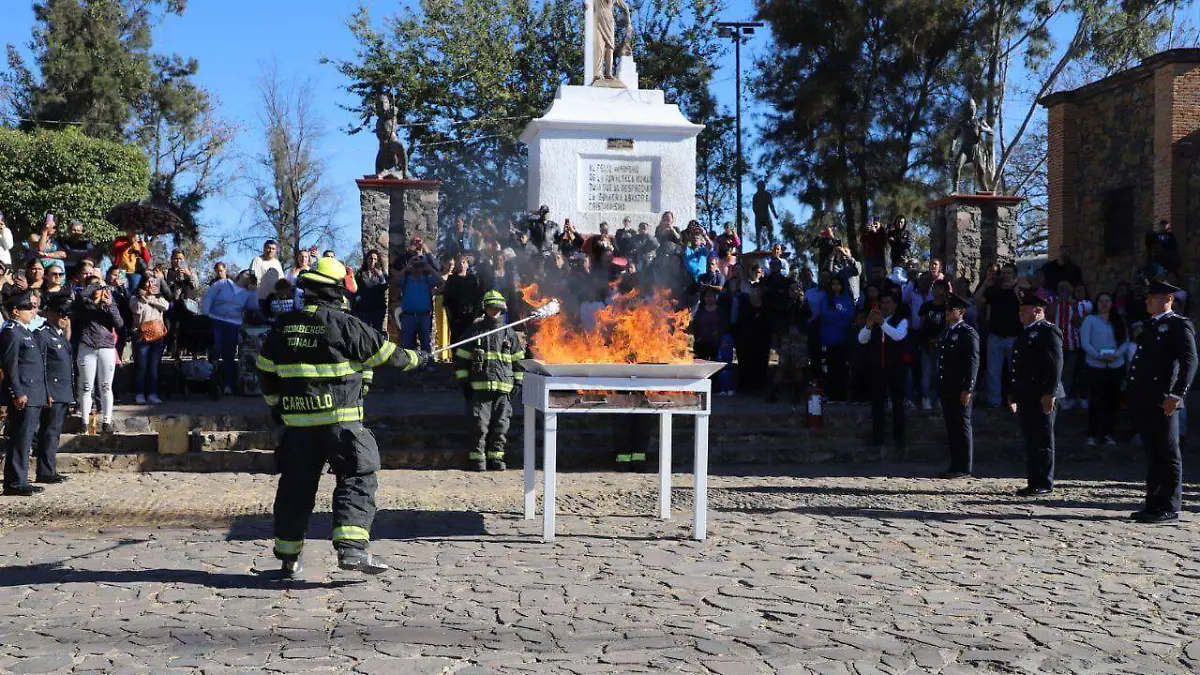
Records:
x=530, y=459
x=700, y=529
x=549, y=469
x=664, y=465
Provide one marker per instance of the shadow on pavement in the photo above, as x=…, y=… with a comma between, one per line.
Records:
x=937, y=516
x=53, y=573
x=389, y=524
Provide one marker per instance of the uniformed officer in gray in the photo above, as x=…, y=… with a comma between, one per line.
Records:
x=958, y=366
x=1036, y=383
x=1159, y=377
x=60, y=383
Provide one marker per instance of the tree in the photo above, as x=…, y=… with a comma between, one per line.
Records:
x=468, y=75
x=293, y=204
x=679, y=54
x=96, y=71
x=1105, y=36
x=187, y=144
x=68, y=174
x=94, y=62
x=860, y=93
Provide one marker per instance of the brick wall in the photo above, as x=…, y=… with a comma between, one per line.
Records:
x=1138, y=130
x=1115, y=136
x=1185, y=165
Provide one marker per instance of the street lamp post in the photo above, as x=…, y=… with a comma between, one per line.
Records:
x=735, y=30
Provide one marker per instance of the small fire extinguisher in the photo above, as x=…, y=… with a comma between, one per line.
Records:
x=816, y=405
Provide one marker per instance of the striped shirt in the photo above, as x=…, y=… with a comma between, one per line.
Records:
x=1068, y=315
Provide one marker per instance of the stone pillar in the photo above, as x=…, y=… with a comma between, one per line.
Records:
x=393, y=211
x=968, y=232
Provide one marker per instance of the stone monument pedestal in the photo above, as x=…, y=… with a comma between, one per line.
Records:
x=969, y=232
x=600, y=154
x=393, y=211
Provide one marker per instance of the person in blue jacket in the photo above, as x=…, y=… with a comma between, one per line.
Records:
x=835, y=316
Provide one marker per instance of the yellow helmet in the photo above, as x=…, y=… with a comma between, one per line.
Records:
x=327, y=271
x=494, y=299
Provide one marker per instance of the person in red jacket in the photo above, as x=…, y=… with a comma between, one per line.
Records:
x=131, y=253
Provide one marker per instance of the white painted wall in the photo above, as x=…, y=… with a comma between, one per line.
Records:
x=579, y=125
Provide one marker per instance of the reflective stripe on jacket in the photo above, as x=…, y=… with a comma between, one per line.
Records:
x=490, y=363
x=315, y=360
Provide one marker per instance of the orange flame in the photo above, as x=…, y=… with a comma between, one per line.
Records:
x=633, y=329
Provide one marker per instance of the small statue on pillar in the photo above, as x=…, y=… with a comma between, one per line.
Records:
x=973, y=145
x=392, y=159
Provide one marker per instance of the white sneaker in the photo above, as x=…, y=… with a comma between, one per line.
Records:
x=1082, y=403
x=228, y=391
x=1109, y=440
x=926, y=405
x=139, y=399
x=1091, y=441
x=1066, y=403
x=153, y=398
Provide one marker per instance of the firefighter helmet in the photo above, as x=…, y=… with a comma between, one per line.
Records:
x=327, y=271
x=494, y=299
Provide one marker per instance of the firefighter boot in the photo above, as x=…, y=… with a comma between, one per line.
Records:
x=358, y=560
x=497, y=464
x=290, y=568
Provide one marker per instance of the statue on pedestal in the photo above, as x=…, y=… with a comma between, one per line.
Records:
x=392, y=159
x=973, y=145
x=605, y=47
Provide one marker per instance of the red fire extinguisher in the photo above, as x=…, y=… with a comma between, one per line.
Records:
x=816, y=405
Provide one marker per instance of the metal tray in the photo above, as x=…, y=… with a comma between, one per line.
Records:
x=670, y=371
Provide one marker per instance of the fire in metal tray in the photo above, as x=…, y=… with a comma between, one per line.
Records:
x=634, y=328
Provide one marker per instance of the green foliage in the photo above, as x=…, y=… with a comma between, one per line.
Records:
x=68, y=174
x=96, y=72
x=94, y=63
x=861, y=97
x=468, y=75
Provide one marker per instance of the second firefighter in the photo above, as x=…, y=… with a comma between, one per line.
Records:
x=488, y=365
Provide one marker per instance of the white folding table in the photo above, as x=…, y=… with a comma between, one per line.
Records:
x=550, y=394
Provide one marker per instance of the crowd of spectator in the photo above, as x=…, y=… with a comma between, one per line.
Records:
x=138, y=310
x=810, y=309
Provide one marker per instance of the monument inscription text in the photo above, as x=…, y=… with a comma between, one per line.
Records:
x=622, y=185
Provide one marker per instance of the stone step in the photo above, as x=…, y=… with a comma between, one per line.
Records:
x=115, y=443
x=575, y=457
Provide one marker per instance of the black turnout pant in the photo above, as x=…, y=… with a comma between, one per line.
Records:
x=492, y=413
x=22, y=426
x=1164, y=471
x=48, y=437
x=887, y=384
x=959, y=434
x=353, y=459
x=1037, y=428
x=632, y=435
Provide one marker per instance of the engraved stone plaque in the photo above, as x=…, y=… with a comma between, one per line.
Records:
x=620, y=185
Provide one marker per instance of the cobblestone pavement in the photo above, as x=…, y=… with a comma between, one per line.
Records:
x=830, y=572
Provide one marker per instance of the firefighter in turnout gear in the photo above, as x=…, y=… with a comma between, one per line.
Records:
x=489, y=367
x=311, y=370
